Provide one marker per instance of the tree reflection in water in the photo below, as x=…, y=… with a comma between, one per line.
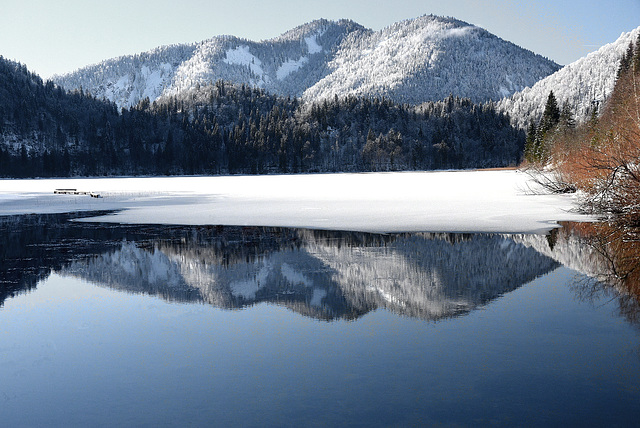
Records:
x=607, y=256
x=616, y=245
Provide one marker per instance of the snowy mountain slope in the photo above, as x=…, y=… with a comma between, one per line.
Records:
x=429, y=58
x=128, y=79
x=413, y=61
x=284, y=65
x=584, y=83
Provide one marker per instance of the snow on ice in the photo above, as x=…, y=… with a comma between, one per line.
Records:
x=446, y=201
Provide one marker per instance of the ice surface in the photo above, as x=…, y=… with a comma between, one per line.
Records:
x=449, y=201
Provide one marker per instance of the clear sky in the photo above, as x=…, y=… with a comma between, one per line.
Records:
x=57, y=36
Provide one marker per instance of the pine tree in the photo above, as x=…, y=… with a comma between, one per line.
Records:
x=566, y=117
x=551, y=115
x=539, y=139
x=530, y=148
x=625, y=61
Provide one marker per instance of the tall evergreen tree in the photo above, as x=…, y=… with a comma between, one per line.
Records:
x=530, y=148
x=551, y=114
x=626, y=61
x=566, y=117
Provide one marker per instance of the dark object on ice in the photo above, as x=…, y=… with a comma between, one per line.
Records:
x=75, y=192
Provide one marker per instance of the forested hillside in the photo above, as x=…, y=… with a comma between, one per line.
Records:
x=252, y=131
x=225, y=128
x=44, y=130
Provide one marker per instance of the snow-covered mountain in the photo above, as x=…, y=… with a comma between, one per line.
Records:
x=427, y=59
x=585, y=83
x=286, y=65
x=128, y=79
x=327, y=276
x=414, y=61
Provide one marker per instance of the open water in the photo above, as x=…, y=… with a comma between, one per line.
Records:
x=120, y=325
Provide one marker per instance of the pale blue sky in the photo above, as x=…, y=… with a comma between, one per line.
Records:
x=59, y=36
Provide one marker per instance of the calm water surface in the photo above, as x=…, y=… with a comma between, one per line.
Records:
x=104, y=325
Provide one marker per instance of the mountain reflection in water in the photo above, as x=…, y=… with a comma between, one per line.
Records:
x=325, y=275
x=320, y=274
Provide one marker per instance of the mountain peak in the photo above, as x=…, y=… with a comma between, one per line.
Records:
x=428, y=58
x=413, y=61
x=427, y=19
x=315, y=27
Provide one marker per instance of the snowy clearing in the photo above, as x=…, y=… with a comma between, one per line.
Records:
x=290, y=66
x=242, y=56
x=312, y=44
x=450, y=201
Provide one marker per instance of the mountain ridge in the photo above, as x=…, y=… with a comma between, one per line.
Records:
x=412, y=61
x=446, y=56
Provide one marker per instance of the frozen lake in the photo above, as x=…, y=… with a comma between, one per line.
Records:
x=313, y=300
x=455, y=201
